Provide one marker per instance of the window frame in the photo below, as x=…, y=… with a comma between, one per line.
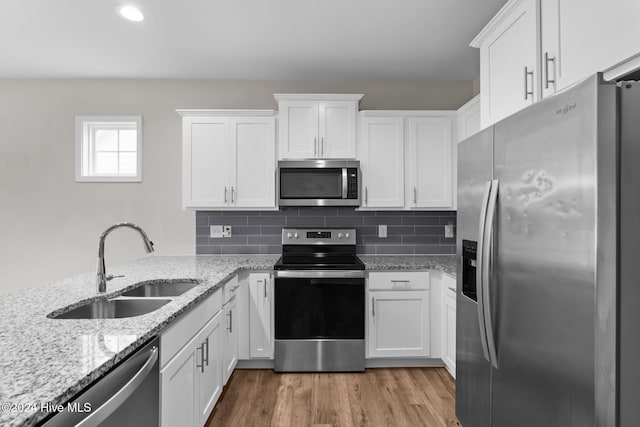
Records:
x=85, y=151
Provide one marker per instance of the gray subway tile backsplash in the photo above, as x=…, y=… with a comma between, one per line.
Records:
x=259, y=232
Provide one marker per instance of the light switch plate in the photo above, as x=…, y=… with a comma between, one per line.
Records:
x=448, y=231
x=215, y=232
x=382, y=231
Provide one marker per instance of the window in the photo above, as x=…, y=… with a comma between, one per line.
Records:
x=109, y=149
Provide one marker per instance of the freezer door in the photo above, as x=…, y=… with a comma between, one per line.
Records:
x=543, y=276
x=473, y=371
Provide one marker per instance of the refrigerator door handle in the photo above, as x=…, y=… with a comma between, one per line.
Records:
x=486, y=272
x=480, y=269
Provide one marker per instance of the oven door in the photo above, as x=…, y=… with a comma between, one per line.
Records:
x=319, y=308
x=319, y=323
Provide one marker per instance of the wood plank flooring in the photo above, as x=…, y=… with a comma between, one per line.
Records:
x=377, y=397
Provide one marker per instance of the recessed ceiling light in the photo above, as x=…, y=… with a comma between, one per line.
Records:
x=130, y=12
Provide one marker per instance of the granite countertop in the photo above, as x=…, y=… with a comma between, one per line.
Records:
x=46, y=361
x=446, y=263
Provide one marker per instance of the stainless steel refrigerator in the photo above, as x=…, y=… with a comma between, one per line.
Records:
x=548, y=253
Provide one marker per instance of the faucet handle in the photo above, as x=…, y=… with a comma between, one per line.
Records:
x=111, y=276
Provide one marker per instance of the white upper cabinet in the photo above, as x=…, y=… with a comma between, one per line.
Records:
x=254, y=156
x=319, y=126
x=381, y=155
x=469, y=118
x=509, y=60
x=560, y=42
x=579, y=38
x=429, y=162
x=228, y=158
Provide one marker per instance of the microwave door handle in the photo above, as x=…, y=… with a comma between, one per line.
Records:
x=344, y=183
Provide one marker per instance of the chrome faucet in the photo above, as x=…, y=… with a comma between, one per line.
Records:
x=101, y=279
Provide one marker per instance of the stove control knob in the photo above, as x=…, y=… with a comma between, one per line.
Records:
x=339, y=235
x=295, y=235
x=347, y=235
x=289, y=235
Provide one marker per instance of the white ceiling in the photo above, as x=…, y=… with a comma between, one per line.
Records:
x=402, y=40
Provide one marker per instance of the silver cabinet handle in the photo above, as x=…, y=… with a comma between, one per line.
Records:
x=322, y=146
x=315, y=146
x=234, y=288
x=400, y=281
x=231, y=322
x=452, y=289
x=415, y=196
x=547, y=80
x=526, y=83
x=366, y=195
x=265, y=288
x=206, y=342
x=233, y=192
x=225, y=194
x=373, y=307
x=200, y=365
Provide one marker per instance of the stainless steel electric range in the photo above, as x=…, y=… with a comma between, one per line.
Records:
x=319, y=302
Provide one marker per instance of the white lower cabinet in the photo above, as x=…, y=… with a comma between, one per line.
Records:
x=230, y=346
x=448, y=323
x=209, y=368
x=260, y=316
x=398, y=314
x=191, y=365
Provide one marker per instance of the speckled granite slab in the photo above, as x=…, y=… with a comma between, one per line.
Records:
x=45, y=360
x=446, y=263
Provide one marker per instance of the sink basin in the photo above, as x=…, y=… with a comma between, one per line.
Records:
x=161, y=289
x=113, y=309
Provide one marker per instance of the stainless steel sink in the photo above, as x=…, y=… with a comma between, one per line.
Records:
x=113, y=309
x=161, y=289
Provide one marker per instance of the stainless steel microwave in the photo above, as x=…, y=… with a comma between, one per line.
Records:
x=318, y=183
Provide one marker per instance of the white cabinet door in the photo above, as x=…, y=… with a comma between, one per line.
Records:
x=381, y=155
x=230, y=347
x=253, y=157
x=205, y=165
x=337, y=129
x=260, y=317
x=429, y=161
x=209, y=368
x=509, y=63
x=448, y=323
x=580, y=38
x=178, y=389
x=298, y=129
x=398, y=324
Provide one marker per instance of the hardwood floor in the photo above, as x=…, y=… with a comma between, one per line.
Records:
x=377, y=397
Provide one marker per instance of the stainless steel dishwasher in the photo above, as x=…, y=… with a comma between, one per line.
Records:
x=128, y=395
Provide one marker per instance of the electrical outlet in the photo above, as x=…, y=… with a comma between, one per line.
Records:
x=382, y=231
x=215, y=232
x=226, y=231
x=448, y=231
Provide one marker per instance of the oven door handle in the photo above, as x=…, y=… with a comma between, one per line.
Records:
x=320, y=274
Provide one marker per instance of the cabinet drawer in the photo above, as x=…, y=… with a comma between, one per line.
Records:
x=399, y=281
x=185, y=328
x=230, y=289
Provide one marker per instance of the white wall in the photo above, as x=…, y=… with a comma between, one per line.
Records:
x=49, y=224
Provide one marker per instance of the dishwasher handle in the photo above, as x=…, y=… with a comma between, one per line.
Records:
x=109, y=407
